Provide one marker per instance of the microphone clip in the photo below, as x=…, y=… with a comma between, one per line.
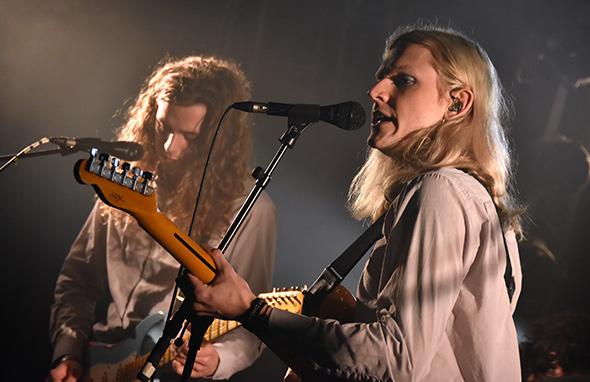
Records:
x=295, y=129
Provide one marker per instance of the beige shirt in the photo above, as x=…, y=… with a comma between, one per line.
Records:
x=116, y=258
x=433, y=304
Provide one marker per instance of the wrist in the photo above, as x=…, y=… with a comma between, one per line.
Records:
x=255, y=318
x=62, y=359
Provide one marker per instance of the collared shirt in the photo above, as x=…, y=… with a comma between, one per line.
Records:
x=115, y=258
x=432, y=300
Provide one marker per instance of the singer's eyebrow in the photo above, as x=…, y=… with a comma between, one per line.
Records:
x=387, y=71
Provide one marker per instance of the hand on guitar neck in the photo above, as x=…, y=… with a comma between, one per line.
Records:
x=227, y=296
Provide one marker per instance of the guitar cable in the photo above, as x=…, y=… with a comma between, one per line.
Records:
x=148, y=369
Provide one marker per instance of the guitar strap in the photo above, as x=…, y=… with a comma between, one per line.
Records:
x=334, y=273
x=508, y=274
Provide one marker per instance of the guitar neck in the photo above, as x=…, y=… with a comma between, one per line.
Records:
x=178, y=244
x=289, y=300
x=129, y=191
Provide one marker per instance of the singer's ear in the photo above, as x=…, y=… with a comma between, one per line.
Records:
x=460, y=102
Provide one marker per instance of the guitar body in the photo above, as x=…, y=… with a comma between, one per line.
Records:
x=121, y=362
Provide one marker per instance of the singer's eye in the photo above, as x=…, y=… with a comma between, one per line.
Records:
x=403, y=80
x=190, y=136
x=160, y=127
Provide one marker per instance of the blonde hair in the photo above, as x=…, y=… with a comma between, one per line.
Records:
x=217, y=84
x=476, y=143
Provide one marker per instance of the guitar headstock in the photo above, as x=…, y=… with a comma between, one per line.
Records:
x=116, y=184
x=289, y=299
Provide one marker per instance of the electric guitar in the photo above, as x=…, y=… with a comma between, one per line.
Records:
x=130, y=190
x=121, y=362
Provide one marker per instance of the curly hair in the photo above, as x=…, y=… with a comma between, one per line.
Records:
x=217, y=84
x=475, y=143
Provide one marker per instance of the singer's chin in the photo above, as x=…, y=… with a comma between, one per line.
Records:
x=371, y=139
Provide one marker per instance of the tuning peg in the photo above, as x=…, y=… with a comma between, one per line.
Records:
x=137, y=172
x=148, y=177
x=115, y=161
x=124, y=178
x=104, y=165
x=104, y=157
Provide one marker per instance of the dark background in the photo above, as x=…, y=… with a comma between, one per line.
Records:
x=67, y=67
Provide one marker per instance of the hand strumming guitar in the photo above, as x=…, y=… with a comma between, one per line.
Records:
x=67, y=371
x=205, y=364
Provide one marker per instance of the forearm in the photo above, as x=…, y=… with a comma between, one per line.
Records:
x=309, y=345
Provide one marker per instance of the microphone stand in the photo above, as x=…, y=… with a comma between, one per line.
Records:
x=24, y=153
x=60, y=150
x=199, y=324
x=63, y=150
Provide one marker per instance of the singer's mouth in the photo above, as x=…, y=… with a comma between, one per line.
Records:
x=379, y=118
x=168, y=160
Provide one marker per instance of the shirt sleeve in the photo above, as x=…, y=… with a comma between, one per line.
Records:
x=411, y=280
x=252, y=254
x=78, y=288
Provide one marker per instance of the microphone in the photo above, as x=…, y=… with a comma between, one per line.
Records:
x=121, y=149
x=346, y=115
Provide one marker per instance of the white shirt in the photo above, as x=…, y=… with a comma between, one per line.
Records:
x=113, y=255
x=432, y=300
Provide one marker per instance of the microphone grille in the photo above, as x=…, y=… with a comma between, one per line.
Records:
x=348, y=115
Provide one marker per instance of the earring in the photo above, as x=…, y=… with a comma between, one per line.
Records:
x=456, y=106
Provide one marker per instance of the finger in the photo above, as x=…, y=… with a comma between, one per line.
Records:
x=217, y=255
x=177, y=366
x=290, y=376
x=197, y=370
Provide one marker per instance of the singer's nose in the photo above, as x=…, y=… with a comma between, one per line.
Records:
x=379, y=92
x=174, y=145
